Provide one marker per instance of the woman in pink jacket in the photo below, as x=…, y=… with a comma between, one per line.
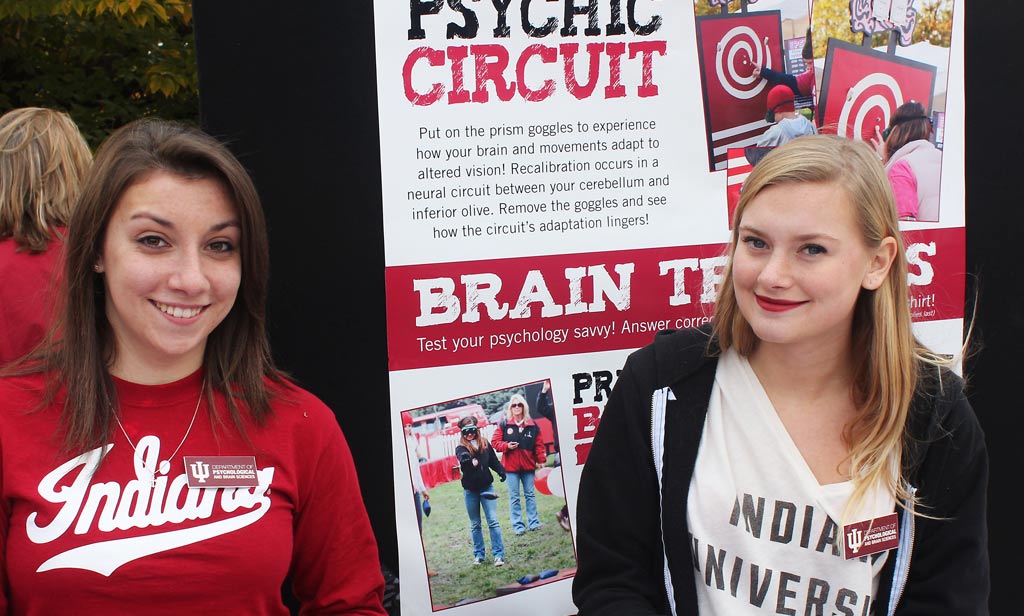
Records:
x=912, y=162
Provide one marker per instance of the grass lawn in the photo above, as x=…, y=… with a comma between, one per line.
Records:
x=449, y=547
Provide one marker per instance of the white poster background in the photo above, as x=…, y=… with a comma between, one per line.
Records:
x=694, y=212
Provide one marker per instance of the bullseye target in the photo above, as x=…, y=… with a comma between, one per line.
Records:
x=869, y=103
x=861, y=88
x=735, y=56
x=730, y=45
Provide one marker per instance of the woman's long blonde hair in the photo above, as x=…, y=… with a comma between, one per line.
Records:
x=886, y=356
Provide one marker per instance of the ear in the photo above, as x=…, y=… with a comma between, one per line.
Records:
x=878, y=267
x=98, y=266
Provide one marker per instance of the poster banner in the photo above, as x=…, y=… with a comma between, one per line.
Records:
x=549, y=202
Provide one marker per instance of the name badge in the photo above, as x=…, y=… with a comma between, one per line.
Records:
x=871, y=536
x=221, y=471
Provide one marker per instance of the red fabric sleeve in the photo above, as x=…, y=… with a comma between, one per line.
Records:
x=498, y=440
x=335, y=566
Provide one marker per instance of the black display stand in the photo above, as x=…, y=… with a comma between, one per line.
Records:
x=292, y=89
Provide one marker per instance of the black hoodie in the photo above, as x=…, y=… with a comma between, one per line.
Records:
x=629, y=558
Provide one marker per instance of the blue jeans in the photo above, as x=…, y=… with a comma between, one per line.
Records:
x=515, y=509
x=474, y=503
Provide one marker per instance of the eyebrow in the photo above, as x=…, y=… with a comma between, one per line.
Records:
x=807, y=237
x=163, y=222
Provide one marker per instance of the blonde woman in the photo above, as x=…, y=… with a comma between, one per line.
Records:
x=43, y=163
x=738, y=469
x=522, y=453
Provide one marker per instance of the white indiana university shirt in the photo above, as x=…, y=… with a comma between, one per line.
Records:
x=766, y=536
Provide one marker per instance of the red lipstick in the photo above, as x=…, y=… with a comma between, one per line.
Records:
x=776, y=305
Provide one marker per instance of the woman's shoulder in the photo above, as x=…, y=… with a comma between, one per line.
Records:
x=673, y=354
x=940, y=402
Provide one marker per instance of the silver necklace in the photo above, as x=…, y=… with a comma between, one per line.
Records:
x=165, y=465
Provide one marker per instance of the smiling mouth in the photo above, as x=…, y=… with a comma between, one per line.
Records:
x=776, y=305
x=177, y=311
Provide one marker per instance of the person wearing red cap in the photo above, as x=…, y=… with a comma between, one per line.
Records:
x=786, y=123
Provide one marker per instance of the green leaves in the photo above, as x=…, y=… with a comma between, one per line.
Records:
x=105, y=62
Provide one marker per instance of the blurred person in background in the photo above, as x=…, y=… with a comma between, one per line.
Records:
x=43, y=163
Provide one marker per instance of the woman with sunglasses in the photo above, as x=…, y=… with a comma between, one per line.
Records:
x=476, y=459
x=522, y=453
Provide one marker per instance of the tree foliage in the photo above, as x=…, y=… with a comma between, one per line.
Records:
x=832, y=19
x=934, y=22
x=105, y=62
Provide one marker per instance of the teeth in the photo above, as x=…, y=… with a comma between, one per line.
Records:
x=178, y=312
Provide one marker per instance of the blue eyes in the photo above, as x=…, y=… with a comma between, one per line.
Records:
x=757, y=243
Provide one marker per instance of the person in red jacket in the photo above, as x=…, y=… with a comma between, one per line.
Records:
x=522, y=453
x=43, y=163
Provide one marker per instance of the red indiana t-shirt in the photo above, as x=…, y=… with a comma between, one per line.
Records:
x=116, y=542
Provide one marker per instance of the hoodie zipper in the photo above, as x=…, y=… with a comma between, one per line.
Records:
x=904, y=553
x=659, y=402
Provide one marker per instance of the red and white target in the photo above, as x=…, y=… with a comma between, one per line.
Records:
x=861, y=88
x=730, y=46
x=735, y=56
x=869, y=103
x=547, y=481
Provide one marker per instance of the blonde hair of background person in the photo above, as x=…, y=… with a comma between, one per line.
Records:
x=43, y=163
x=885, y=351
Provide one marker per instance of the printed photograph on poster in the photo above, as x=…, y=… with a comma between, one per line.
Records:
x=867, y=70
x=758, y=81
x=486, y=478
x=883, y=81
x=746, y=51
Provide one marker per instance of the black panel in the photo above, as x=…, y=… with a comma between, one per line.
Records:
x=292, y=88
x=995, y=220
